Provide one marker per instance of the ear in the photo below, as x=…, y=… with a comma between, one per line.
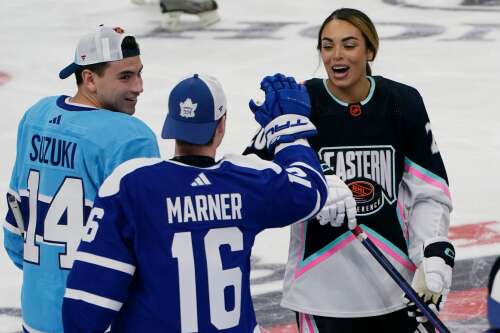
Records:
x=370, y=55
x=221, y=127
x=220, y=130
x=88, y=78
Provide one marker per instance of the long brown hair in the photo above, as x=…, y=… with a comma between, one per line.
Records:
x=361, y=21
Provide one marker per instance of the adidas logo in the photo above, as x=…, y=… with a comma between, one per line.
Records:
x=55, y=120
x=201, y=180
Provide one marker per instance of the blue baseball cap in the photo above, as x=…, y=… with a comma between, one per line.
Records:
x=195, y=106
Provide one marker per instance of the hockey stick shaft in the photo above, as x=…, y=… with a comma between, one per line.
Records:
x=396, y=276
x=16, y=211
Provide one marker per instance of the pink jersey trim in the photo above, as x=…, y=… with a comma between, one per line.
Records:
x=428, y=179
x=325, y=255
x=404, y=262
x=310, y=325
x=403, y=221
x=309, y=322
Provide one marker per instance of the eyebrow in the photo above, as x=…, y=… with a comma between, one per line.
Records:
x=343, y=39
x=126, y=71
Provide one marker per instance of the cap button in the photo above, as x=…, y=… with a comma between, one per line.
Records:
x=195, y=76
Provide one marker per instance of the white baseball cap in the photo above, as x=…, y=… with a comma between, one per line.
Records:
x=104, y=45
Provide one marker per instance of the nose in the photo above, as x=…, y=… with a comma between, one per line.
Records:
x=137, y=86
x=337, y=53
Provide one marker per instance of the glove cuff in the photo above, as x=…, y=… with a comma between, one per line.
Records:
x=442, y=248
x=281, y=146
x=288, y=128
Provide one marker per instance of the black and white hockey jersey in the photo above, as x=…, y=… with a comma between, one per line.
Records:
x=383, y=148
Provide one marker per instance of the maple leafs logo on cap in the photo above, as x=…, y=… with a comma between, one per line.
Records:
x=188, y=108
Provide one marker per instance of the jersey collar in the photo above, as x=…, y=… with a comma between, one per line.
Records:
x=363, y=102
x=63, y=104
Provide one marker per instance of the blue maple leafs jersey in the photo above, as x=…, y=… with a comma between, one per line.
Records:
x=494, y=298
x=64, y=153
x=168, y=245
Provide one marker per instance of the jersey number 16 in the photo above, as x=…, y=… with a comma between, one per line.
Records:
x=218, y=278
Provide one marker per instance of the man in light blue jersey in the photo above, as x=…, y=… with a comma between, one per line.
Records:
x=169, y=241
x=66, y=147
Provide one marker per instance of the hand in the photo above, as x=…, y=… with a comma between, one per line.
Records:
x=285, y=111
x=283, y=96
x=432, y=280
x=339, y=204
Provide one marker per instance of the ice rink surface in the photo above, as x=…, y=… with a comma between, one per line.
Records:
x=447, y=49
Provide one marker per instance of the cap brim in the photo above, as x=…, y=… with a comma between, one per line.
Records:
x=68, y=70
x=194, y=133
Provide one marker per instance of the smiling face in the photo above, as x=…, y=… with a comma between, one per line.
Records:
x=345, y=56
x=120, y=85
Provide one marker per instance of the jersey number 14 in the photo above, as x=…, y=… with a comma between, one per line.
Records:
x=68, y=200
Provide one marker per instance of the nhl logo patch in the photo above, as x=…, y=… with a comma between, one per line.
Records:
x=363, y=191
x=355, y=110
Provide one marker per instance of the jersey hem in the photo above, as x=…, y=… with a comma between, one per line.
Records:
x=358, y=314
x=29, y=329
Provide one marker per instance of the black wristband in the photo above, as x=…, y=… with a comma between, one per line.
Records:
x=444, y=250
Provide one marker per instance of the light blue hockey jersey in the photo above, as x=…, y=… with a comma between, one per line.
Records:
x=64, y=153
x=169, y=244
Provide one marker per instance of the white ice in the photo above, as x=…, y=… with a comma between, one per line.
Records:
x=456, y=71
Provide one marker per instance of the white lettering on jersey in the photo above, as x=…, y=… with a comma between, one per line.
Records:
x=369, y=171
x=434, y=146
x=297, y=175
x=204, y=207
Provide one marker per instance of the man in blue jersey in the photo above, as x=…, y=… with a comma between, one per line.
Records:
x=169, y=241
x=494, y=298
x=66, y=147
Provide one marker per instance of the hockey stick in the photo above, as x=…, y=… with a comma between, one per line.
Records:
x=396, y=276
x=16, y=211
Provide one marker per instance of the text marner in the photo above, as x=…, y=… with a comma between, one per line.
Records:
x=204, y=207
